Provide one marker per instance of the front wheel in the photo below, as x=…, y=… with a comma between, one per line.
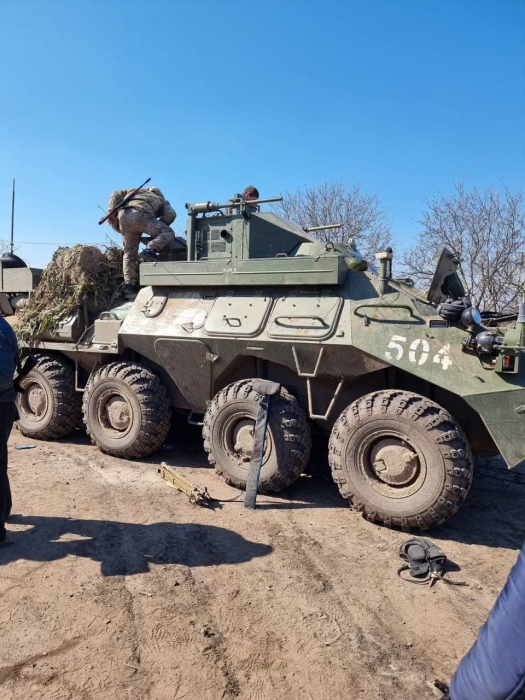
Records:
x=401, y=459
x=228, y=437
x=126, y=410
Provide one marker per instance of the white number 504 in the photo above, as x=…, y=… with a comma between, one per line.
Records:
x=418, y=351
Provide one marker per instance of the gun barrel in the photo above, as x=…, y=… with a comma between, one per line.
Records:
x=248, y=202
x=321, y=228
x=205, y=207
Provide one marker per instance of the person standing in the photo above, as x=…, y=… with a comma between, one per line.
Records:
x=148, y=211
x=8, y=364
x=494, y=668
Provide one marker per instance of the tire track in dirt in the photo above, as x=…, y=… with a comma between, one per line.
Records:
x=126, y=549
x=322, y=615
x=388, y=655
x=13, y=672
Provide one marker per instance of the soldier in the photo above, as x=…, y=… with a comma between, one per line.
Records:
x=251, y=193
x=147, y=212
x=8, y=362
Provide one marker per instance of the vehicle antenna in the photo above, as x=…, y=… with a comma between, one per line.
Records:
x=13, y=217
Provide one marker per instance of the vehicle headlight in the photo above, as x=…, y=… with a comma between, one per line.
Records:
x=471, y=318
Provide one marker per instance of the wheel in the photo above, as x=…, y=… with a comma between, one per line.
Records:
x=126, y=410
x=50, y=408
x=400, y=459
x=228, y=437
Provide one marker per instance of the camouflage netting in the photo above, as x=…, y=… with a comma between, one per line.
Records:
x=82, y=277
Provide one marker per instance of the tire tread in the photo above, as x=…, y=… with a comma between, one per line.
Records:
x=154, y=405
x=67, y=413
x=294, y=438
x=447, y=434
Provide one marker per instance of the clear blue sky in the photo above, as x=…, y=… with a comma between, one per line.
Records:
x=206, y=97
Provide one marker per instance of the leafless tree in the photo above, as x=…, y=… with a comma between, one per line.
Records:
x=362, y=216
x=487, y=230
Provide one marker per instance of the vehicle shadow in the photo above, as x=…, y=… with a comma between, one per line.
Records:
x=124, y=549
x=315, y=489
x=492, y=515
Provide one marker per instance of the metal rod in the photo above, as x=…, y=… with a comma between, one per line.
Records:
x=321, y=228
x=250, y=202
x=13, y=217
x=205, y=207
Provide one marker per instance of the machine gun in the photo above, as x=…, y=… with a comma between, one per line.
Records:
x=237, y=202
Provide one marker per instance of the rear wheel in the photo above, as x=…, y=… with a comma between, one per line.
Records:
x=50, y=407
x=228, y=437
x=400, y=459
x=126, y=410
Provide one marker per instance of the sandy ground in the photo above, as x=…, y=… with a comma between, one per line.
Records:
x=116, y=586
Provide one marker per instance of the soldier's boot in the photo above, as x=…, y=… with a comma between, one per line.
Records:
x=149, y=255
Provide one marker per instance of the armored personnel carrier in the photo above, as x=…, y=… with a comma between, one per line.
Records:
x=17, y=281
x=409, y=386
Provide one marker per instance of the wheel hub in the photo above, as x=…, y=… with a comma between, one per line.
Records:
x=117, y=412
x=243, y=440
x=394, y=462
x=36, y=399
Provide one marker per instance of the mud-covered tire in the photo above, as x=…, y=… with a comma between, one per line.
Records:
x=400, y=459
x=50, y=408
x=229, y=421
x=126, y=410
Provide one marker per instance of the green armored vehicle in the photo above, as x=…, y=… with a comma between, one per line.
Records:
x=408, y=385
x=17, y=281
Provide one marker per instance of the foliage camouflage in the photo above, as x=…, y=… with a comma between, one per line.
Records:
x=76, y=278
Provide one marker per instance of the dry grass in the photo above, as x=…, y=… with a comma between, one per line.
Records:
x=82, y=277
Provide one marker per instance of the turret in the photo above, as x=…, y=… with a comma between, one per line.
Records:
x=236, y=244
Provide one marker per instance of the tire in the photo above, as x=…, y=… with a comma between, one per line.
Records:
x=400, y=459
x=50, y=408
x=229, y=423
x=126, y=410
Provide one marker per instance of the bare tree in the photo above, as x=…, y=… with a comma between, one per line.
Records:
x=362, y=216
x=486, y=229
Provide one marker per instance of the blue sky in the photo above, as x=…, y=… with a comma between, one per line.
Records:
x=207, y=97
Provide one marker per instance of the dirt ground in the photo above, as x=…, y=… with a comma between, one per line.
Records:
x=116, y=586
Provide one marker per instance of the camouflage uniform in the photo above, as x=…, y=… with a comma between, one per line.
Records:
x=148, y=212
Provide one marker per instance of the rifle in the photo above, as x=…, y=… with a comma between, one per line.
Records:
x=23, y=370
x=126, y=199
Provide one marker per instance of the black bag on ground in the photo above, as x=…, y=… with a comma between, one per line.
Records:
x=425, y=560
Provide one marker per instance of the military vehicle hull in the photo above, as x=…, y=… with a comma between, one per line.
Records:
x=404, y=394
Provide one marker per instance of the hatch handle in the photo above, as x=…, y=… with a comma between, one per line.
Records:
x=279, y=322
x=406, y=307
x=229, y=319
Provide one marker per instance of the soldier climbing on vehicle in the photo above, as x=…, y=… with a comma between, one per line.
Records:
x=146, y=211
